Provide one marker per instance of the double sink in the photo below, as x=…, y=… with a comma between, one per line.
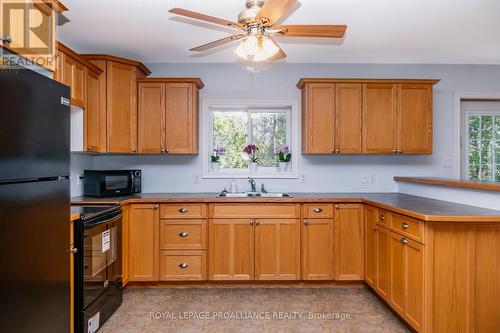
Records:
x=254, y=195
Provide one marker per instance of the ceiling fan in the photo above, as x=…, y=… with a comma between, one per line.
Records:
x=258, y=26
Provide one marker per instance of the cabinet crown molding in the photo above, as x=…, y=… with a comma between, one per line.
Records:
x=69, y=52
x=199, y=83
x=121, y=60
x=304, y=81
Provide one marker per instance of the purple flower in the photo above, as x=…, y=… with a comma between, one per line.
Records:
x=285, y=149
x=250, y=149
x=219, y=151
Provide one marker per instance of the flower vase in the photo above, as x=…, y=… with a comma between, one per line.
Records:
x=214, y=166
x=282, y=166
x=252, y=167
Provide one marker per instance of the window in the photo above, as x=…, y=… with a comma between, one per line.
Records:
x=269, y=125
x=482, y=141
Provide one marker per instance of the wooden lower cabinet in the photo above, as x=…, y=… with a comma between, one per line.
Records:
x=371, y=215
x=143, y=239
x=349, y=242
x=182, y=265
x=317, y=249
x=277, y=249
x=231, y=249
x=125, y=245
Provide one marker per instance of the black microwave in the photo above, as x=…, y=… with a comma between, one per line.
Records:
x=108, y=183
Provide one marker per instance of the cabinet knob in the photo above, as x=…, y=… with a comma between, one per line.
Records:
x=394, y=151
x=163, y=151
x=374, y=227
x=337, y=151
x=183, y=210
x=337, y=206
x=184, y=265
x=400, y=151
x=318, y=210
x=134, y=151
x=167, y=151
x=332, y=151
x=404, y=241
x=157, y=206
x=183, y=234
x=382, y=217
x=404, y=225
x=73, y=250
x=257, y=222
x=251, y=222
x=306, y=222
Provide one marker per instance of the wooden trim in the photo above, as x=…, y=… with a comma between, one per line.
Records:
x=124, y=61
x=69, y=52
x=303, y=81
x=55, y=5
x=462, y=183
x=193, y=80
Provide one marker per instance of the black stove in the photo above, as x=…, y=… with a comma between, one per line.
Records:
x=93, y=211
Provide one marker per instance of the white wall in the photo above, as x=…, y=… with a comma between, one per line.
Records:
x=321, y=173
x=79, y=162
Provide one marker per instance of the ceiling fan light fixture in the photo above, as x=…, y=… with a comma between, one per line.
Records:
x=269, y=48
x=251, y=45
x=240, y=51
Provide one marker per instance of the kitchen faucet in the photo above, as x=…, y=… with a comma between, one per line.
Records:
x=252, y=184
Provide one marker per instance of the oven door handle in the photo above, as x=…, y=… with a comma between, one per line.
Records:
x=111, y=220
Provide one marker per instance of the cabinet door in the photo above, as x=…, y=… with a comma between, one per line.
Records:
x=143, y=231
x=383, y=263
x=79, y=85
x=181, y=127
x=231, y=249
x=121, y=108
x=348, y=110
x=349, y=242
x=317, y=249
x=414, y=288
x=151, y=118
x=415, y=118
x=94, y=117
x=379, y=118
x=398, y=267
x=318, y=113
x=371, y=217
x=125, y=245
x=277, y=249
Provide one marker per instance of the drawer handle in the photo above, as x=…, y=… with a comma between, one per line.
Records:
x=306, y=222
x=184, y=265
x=405, y=225
x=382, y=217
x=374, y=227
x=183, y=234
x=404, y=241
x=318, y=210
x=257, y=222
x=183, y=210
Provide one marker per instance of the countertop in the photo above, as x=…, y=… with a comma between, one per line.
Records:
x=462, y=183
x=417, y=207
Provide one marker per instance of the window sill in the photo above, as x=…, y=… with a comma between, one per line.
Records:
x=258, y=175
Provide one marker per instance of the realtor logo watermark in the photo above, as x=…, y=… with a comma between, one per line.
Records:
x=241, y=315
x=27, y=29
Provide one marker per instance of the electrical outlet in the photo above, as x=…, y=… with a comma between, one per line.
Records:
x=447, y=162
x=79, y=179
x=368, y=178
x=364, y=178
x=196, y=179
x=302, y=178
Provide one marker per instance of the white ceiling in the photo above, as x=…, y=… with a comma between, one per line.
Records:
x=379, y=31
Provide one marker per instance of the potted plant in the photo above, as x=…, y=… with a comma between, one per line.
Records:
x=284, y=157
x=215, y=158
x=251, y=151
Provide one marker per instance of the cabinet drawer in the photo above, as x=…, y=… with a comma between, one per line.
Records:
x=241, y=211
x=408, y=226
x=182, y=265
x=384, y=218
x=183, y=234
x=320, y=211
x=180, y=211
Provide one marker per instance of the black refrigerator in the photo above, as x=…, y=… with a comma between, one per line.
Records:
x=34, y=203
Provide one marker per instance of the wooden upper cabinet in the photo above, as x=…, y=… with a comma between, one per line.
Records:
x=318, y=118
x=379, y=118
x=366, y=116
x=348, y=112
x=415, y=118
x=349, y=242
x=94, y=117
x=168, y=115
x=121, y=108
x=231, y=249
x=277, y=249
x=143, y=242
x=151, y=118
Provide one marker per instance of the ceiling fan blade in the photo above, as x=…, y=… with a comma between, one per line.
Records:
x=203, y=17
x=280, y=55
x=219, y=42
x=327, y=31
x=273, y=10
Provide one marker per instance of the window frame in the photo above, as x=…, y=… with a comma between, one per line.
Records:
x=209, y=105
x=479, y=111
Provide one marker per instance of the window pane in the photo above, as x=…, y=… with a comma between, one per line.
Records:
x=474, y=156
x=486, y=127
x=474, y=127
x=269, y=135
x=230, y=132
x=474, y=172
x=486, y=152
x=497, y=152
x=497, y=127
x=486, y=172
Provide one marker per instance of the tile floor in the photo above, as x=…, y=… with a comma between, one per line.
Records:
x=167, y=310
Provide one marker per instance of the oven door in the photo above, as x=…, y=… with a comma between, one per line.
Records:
x=101, y=257
x=116, y=183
